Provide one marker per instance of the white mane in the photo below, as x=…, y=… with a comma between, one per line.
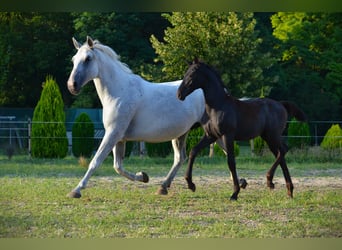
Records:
x=112, y=54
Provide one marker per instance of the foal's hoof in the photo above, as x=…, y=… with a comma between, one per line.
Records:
x=162, y=191
x=270, y=185
x=192, y=186
x=233, y=198
x=74, y=194
x=143, y=177
x=243, y=183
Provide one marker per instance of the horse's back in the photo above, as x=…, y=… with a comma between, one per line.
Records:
x=160, y=116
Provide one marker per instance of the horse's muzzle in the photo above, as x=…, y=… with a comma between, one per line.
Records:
x=73, y=87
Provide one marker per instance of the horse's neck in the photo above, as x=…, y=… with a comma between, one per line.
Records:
x=112, y=83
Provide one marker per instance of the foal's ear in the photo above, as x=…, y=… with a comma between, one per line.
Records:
x=76, y=44
x=90, y=42
x=196, y=60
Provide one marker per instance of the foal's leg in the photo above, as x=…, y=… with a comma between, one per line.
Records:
x=119, y=153
x=286, y=173
x=242, y=181
x=279, y=150
x=179, y=156
x=229, y=142
x=205, y=141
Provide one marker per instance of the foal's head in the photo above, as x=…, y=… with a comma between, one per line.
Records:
x=198, y=75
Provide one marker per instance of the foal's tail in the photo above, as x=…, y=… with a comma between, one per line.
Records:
x=293, y=110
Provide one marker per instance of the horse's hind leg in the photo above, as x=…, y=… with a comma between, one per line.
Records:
x=204, y=142
x=286, y=173
x=119, y=153
x=279, y=152
x=179, y=156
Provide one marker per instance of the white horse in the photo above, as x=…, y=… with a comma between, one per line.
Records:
x=133, y=110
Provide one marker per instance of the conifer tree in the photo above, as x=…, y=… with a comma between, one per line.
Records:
x=48, y=124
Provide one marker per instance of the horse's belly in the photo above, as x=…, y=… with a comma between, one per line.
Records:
x=155, y=133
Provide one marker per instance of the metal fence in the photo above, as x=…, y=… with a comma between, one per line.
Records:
x=17, y=134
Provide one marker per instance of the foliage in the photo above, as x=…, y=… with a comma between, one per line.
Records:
x=227, y=41
x=333, y=138
x=162, y=149
x=83, y=136
x=48, y=124
x=193, y=138
x=32, y=45
x=298, y=134
x=258, y=146
x=219, y=152
x=310, y=52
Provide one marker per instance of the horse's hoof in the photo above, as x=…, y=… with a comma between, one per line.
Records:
x=74, y=194
x=243, y=183
x=143, y=177
x=233, y=198
x=270, y=185
x=162, y=191
x=192, y=187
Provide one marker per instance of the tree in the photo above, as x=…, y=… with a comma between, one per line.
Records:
x=310, y=46
x=32, y=45
x=48, y=124
x=83, y=136
x=227, y=41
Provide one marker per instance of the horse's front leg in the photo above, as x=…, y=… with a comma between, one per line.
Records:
x=119, y=153
x=107, y=143
x=204, y=142
x=242, y=181
x=229, y=143
x=179, y=155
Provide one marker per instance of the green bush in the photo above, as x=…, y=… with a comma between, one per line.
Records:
x=333, y=138
x=48, y=124
x=82, y=136
x=193, y=138
x=219, y=152
x=299, y=134
x=259, y=146
x=162, y=149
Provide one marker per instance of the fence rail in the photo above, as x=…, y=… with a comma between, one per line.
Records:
x=18, y=133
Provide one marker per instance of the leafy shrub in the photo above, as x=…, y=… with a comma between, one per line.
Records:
x=219, y=152
x=193, y=138
x=299, y=134
x=162, y=149
x=82, y=136
x=333, y=138
x=48, y=124
x=258, y=146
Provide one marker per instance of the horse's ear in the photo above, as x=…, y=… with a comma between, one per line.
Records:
x=90, y=42
x=76, y=44
x=196, y=60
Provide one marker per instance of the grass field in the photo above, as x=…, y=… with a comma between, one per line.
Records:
x=33, y=200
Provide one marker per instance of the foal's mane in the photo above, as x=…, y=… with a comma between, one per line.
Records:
x=112, y=54
x=218, y=76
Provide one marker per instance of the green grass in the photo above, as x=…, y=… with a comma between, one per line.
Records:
x=33, y=201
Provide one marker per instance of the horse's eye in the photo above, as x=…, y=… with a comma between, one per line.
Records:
x=87, y=59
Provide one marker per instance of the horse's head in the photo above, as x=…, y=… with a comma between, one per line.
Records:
x=194, y=78
x=85, y=66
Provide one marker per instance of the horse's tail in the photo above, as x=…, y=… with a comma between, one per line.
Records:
x=293, y=110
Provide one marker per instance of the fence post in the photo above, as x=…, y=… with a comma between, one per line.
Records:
x=29, y=135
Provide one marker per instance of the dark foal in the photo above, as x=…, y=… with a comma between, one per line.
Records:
x=231, y=119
